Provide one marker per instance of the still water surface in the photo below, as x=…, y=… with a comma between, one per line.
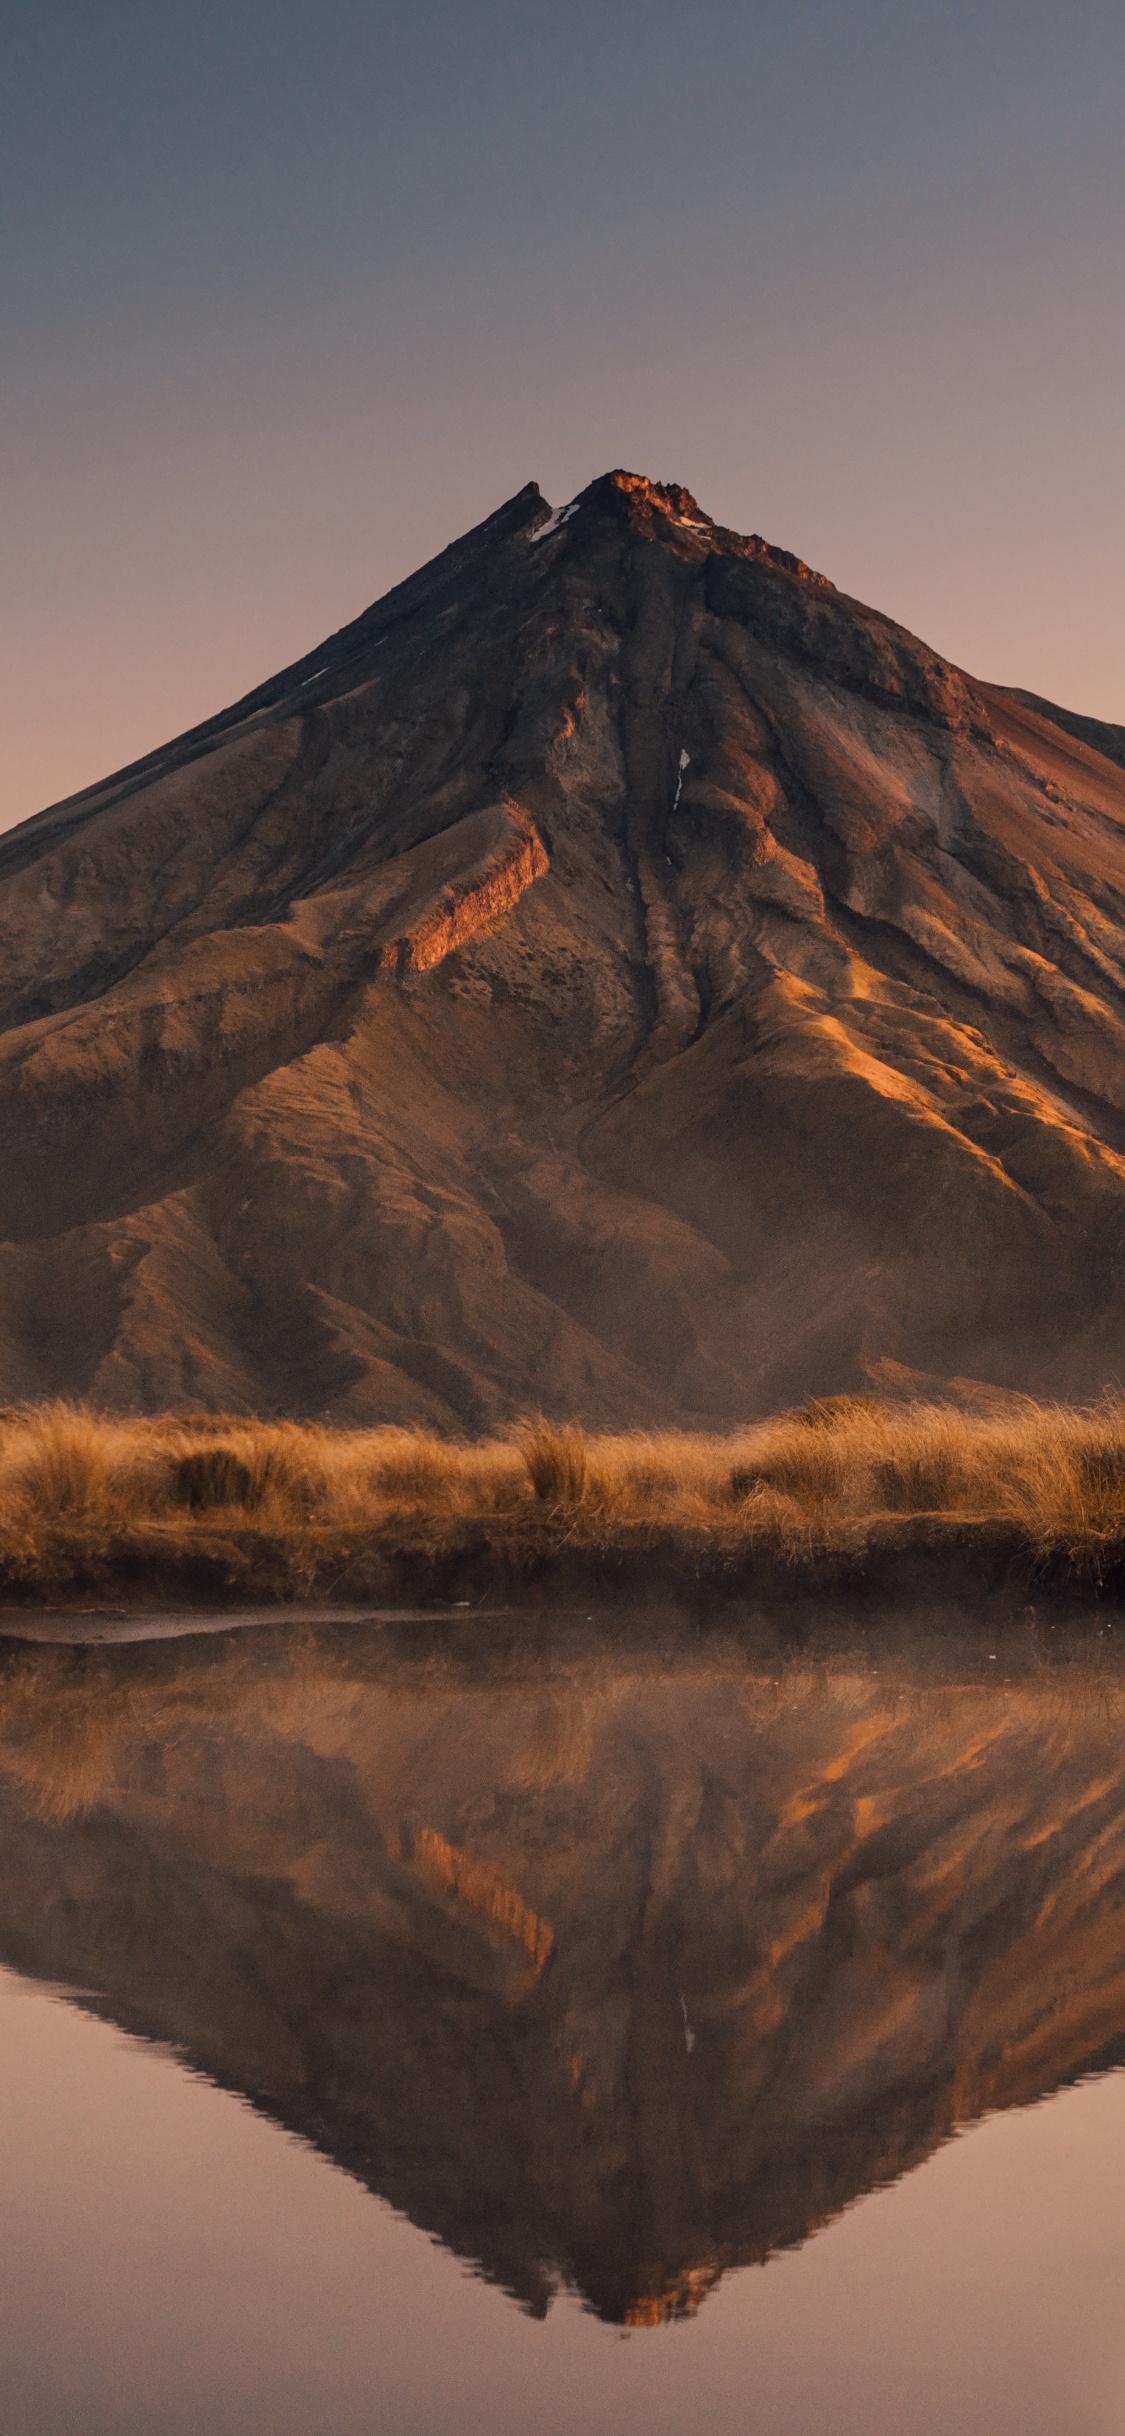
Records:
x=543, y=2037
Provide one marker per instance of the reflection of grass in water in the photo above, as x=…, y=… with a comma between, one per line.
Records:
x=74, y=1723
x=59, y=1753
x=287, y=1505
x=70, y=1717
x=60, y=1724
x=66, y=1715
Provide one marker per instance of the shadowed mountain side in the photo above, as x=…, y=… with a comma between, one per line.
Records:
x=618, y=973
x=619, y=1972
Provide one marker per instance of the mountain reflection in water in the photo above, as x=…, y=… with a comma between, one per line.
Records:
x=609, y=1965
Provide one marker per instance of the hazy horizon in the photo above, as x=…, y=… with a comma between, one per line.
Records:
x=290, y=301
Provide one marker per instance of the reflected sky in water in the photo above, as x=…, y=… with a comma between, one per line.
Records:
x=649, y=1997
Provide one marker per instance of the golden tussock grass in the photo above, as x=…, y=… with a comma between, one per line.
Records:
x=292, y=1507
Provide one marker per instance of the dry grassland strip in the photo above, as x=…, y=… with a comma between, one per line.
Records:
x=845, y=1492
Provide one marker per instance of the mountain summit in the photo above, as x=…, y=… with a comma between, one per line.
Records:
x=618, y=973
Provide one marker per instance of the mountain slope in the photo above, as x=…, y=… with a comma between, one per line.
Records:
x=618, y=973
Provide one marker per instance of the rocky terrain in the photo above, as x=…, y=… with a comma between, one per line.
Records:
x=610, y=1969
x=618, y=974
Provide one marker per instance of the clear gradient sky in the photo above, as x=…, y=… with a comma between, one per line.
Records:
x=291, y=294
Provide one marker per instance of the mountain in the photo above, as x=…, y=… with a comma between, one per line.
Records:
x=616, y=1968
x=619, y=974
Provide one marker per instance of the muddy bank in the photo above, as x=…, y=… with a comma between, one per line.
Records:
x=985, y=1567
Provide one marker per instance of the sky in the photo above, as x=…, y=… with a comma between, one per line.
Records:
x=291, y=295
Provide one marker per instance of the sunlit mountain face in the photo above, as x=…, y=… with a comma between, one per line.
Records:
x=610, y=1969
x=618, y=973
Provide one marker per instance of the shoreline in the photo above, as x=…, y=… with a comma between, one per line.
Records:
x=983, y=1560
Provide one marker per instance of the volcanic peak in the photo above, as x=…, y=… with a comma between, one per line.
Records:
x=617, y=973
x=667, y=512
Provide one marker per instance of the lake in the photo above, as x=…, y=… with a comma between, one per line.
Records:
x=507, y=2024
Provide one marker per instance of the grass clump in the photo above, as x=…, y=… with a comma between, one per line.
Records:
x=558, y=1463
x=63, y=1461
x=211, y=1476
x=834, y=1412
x=417, y=1469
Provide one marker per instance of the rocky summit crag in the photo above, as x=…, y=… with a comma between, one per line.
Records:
x=618, y=974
